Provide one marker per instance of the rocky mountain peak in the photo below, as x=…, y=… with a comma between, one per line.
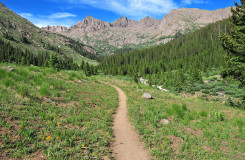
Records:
x=121, y=22
x=90, y=24
x=55, y=29
x=190, y=18
x=149, y=22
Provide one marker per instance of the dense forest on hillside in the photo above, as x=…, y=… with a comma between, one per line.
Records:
x=15, y=55
x=175, y=63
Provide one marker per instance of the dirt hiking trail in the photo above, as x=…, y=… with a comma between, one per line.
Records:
x=127, y=145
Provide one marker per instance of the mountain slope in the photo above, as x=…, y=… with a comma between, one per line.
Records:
x=193, y=52
x=21, y=33
x=126, y=33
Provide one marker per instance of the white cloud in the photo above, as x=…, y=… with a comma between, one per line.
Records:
x=132, y=8
x=189, y=2
x=59, y=18
x=62, y=15
x=25, y=15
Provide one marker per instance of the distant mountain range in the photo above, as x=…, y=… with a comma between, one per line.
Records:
x=125, y=33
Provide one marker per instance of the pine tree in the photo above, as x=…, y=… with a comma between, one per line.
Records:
x=234, y=44
x=54, y=62
x=95, y=70
x=87, y=70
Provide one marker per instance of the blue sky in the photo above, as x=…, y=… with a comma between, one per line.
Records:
x=69, y=12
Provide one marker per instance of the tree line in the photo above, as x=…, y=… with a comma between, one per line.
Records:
x=176, y=63
x=10, y=54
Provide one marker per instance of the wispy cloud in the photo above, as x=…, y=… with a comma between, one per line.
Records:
x=132, y=8
x=25, y=15
x=189, y=2
x=60, y=18
x=62, y=15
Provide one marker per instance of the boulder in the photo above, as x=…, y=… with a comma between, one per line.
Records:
x=8, y=68
x=147, y=96
x=164, y=121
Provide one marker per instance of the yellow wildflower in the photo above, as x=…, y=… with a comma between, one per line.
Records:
x=58, y=123
x=48, y=138
x=57, y=138
x=83, y=146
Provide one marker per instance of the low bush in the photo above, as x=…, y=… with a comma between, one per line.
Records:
x=217, y=116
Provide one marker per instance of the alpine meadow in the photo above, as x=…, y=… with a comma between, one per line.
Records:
x=110, y=87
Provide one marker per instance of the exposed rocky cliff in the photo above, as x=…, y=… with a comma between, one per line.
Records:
x=127, y=33
x=55, y=29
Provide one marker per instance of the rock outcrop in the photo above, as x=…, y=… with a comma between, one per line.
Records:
x=55, y=29
x=147, y=96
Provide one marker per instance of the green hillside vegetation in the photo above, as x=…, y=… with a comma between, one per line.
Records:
x=191, y=63
x=198, y=129
x=47, y=114
x=234, y=44
x=189, y=54
x=22, y=34
x=13, y=55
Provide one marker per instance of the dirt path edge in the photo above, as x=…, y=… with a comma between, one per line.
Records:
x=127, y=145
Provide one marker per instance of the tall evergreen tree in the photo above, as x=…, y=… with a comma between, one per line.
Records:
x=87, y=70
x=234, y=44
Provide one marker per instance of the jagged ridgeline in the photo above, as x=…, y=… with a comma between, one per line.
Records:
x=195, y=52
x=19, y=37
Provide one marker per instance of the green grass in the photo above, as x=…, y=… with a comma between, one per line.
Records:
x=66, y=115
x=49, y=115
x=198, y=129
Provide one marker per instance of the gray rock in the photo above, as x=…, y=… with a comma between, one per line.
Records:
x=164, y=121
x=147, y=96
x=8, y=68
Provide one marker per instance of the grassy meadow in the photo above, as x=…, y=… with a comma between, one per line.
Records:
x=198, y=128
x=45, y=114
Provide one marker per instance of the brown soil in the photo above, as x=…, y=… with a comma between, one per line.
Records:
x=127, y=145
x=176, y=142
x=207, y=148
x=198, y=133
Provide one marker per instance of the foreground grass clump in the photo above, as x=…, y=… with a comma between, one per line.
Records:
x=54, y=115
x=198, y=129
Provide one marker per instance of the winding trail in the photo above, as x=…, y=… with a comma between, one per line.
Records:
x=127, y=145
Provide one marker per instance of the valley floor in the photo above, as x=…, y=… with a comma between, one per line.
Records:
x=45, y=114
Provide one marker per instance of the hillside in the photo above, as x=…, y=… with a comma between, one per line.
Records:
x=126, y=33
x=22, y=34
x=200, y=49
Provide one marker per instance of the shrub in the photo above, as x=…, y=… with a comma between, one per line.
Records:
x=178, y=112
x=205, y=91
x=203, y=113
x=23, y=90
x=230, y=92
x=8, y=82
x=217, y=116
x=240, y=123
x=196, y=88
x=184, y=107
x=45, y=90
